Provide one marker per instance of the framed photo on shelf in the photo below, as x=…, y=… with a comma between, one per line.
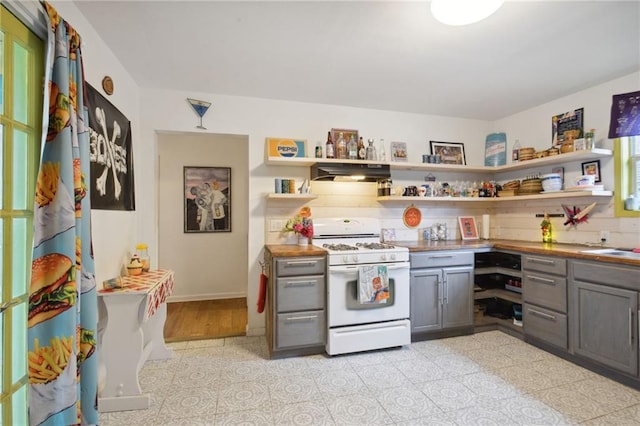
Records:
x=207, y=199
x=346, y=134
x=398, y=151
x=468, y=227
x=567, y=126
x=449, y=152
x=592, y=168
x=287, y=148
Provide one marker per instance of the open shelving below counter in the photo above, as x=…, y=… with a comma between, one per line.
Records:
x=498, y=293
x=583, y=155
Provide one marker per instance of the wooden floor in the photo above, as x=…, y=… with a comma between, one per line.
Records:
x=205, y=319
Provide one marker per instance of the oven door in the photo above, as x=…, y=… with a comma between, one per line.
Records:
x=344, y=307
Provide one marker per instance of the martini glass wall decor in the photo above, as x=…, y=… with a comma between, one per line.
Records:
x=201, y=108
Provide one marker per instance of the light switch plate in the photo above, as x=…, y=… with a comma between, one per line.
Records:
x=276, y=225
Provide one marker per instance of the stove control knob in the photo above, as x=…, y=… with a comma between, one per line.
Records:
x=345, y=259
x=383, y=256
x=355, y=258
x=393, y=256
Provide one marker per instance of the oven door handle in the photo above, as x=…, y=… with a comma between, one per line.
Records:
x=354, y=268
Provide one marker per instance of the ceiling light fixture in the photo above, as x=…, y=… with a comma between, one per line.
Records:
x=463, y=12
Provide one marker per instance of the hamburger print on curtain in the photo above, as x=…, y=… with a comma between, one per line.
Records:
x=62, y=295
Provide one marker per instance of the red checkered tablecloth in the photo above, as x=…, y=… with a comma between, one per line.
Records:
x=157, y=285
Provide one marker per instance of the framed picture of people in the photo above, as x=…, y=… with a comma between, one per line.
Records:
x=207, y=199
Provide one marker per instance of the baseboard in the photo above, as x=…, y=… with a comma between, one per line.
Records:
x=198, y=297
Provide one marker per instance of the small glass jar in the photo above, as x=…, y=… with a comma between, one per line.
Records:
x=143, y=254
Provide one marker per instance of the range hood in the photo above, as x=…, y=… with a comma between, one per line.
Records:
x=350, y=172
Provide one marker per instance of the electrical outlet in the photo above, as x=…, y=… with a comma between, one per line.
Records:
x=276, y=225
x=604, y=236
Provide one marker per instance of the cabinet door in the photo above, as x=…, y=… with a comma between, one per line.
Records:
x=426, y=294
x=457, y=310
x=604, y=326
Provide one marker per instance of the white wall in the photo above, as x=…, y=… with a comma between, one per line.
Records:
x=533, y=128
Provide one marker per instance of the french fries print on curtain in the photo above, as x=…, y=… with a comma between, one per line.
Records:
x=62, y=295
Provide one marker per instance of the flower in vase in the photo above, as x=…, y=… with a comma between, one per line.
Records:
x=301, y=223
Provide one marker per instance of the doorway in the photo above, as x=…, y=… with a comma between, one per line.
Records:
x=212, y=264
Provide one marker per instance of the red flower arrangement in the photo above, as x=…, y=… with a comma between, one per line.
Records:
x=301, y=223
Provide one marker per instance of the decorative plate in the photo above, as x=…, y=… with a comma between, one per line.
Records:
x=412, y=216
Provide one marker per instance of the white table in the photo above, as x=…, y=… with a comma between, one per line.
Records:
x=135, y=316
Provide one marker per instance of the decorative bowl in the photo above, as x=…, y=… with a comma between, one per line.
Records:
x=551, y=182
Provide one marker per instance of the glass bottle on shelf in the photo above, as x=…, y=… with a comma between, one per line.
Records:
x=371, y=151
x=383, y=153
x=362, y=152
x=515, y=152
x=341, y=148
x=330, y=151
x=352, y=148
x=142, y=251
x=319, y=150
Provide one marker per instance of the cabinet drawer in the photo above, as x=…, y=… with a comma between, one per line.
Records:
x=300, y=266
x=440, y=258
x=301, y=329
x=601, y=273
x=549, y=265
x=546, y=325
x=545, y=290
x=300, y=293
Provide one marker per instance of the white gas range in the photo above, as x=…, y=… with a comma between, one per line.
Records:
x=363, y=314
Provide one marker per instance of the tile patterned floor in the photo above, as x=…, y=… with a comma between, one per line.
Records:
x=489, y=378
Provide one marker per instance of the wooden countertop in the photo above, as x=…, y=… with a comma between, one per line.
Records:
x=555, y=249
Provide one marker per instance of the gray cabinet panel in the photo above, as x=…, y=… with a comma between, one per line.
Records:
x=300, y=293
x=425, y=300
x=457, y=307
x=545, y=290
x=546, y=264
x=605, y=325
x=545, y=324
x=301, y=329
x=300, y=266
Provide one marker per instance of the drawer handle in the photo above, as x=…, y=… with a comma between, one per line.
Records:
x=630, y=327
x=300, y=284
x=301, y=263
x=543, y=261
x=441, y=257
x=542, y=314
x=542, y=280
x=306, y=317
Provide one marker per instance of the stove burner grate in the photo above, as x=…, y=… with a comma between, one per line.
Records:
x=339, y=247
x=375, y=246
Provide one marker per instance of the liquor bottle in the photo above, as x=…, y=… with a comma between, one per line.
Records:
x=362, y=152
x=331, y=149
x=515, y=153
x=371, y=151
x=383, y=154
x=352, y=148
x=341, y=148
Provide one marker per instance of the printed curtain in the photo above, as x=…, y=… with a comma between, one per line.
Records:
x=62, y=296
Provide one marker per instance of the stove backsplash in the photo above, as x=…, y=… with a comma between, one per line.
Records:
x=509, y=220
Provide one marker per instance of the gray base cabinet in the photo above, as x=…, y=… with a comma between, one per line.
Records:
x=296, y=313
x=605, y=315
x=441, y=295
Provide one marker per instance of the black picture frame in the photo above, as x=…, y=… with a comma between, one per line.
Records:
x=592, y=168
x=207, y=199
x=449, y=152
